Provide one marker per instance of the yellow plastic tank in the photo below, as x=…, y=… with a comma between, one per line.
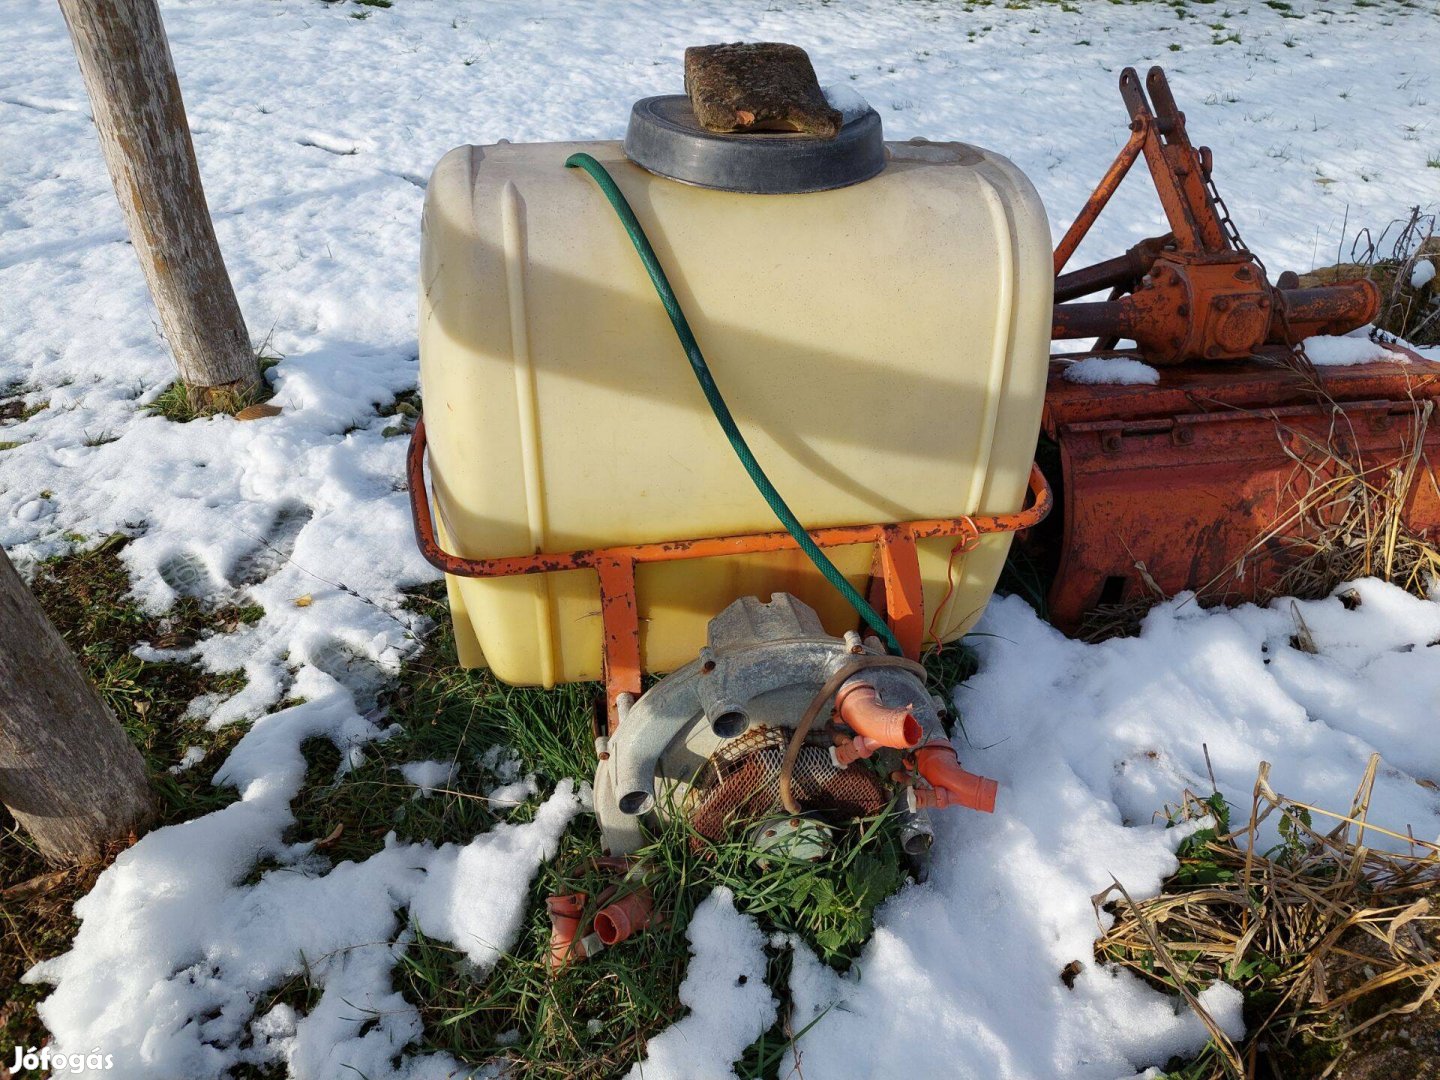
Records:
x=883, y=347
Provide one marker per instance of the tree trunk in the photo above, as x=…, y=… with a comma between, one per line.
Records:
x=68, y=772
x=130, y=77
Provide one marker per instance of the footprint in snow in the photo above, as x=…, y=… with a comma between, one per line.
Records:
x=338, y=147
x=275, y=547
x=188, y=575
x=34, y=509
x=362, y=676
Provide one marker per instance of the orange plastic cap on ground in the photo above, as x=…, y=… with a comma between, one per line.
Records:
x=565, y=913
x=624, y=917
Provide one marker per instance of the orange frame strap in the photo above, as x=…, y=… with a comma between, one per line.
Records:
x=896, y=556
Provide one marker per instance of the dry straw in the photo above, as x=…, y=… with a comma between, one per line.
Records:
x=1327, y=933
x=1348, y=516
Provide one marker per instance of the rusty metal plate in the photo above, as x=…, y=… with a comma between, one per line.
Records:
x=1177, y=482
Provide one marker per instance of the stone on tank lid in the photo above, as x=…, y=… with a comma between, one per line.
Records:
x=757, y=86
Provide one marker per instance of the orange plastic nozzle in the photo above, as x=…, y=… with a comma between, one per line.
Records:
x=937, y=763
x=628, y=915
x=860, y=708
x=848, y=750
x=565, y=913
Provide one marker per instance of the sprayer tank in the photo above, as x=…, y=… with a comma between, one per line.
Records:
x=883, y=347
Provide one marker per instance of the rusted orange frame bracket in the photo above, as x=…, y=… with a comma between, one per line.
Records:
x=1177, y=169
x=898, y=566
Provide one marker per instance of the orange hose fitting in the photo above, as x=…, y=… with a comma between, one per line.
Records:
x=954, y=786
x=859, y=706
x=565, y=913
x=628, y=915
x=848, y=751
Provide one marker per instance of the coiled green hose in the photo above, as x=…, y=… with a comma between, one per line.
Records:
x=717, y=402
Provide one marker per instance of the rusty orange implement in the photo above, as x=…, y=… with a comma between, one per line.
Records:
x=1196, y=293
x=1193, y=484
x=897, y=570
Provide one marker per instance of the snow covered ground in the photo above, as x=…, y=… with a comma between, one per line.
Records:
x=315, y=132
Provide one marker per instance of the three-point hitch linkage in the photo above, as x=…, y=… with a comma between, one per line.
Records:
x=1197, y=293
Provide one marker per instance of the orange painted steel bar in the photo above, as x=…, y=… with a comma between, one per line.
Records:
x=898, y=565
x=1127, y=157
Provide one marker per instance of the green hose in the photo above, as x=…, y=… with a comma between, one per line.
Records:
x=717, y=402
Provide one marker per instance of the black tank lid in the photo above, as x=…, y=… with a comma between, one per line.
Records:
x=665, y=138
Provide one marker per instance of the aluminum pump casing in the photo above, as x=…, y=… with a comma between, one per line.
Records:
x=762, y=666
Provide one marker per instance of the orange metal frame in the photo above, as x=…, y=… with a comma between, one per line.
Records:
x=896, y=573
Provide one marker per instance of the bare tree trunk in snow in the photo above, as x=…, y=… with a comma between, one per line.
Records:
x=135, y=97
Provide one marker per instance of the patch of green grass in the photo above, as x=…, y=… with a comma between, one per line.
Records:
x=175, y=403
x=4, y=445
x=625, y=994
x=592, y=1019
x=948, y=666
x=246, y=614
x=1433, y=161
x=180, y=403
x=85, y=595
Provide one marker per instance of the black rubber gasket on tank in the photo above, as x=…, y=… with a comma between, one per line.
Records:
x=665, y=138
